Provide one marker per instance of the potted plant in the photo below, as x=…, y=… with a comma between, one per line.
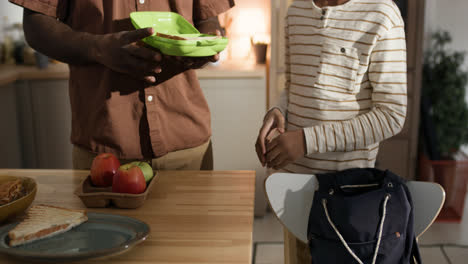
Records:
x=444, y=123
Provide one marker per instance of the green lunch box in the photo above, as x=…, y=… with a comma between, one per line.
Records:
x=170, y=23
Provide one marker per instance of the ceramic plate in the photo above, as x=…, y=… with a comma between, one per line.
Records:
x=101, y=235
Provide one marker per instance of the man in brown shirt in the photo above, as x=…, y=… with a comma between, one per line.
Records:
x=127, y=99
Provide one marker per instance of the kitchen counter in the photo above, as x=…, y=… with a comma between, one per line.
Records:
x=12, y=73
x=232, y=70
x=224, y=70
x=195, y=216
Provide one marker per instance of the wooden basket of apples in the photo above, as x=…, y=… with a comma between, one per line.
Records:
x=124, y=186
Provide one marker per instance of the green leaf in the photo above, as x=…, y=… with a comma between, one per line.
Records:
x=444, y=81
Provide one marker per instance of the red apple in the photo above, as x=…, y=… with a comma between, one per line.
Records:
x=103, y=169
x=129, y=180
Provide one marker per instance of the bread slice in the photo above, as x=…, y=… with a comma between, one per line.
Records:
x=45, y=221
x=187, y=38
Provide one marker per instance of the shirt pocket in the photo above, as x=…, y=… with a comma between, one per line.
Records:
x=338, y=68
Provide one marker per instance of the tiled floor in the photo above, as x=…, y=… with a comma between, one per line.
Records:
x=268, y=240
x=443, y=243
x=267, y=229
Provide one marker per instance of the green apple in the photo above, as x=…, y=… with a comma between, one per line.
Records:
x=145, y=168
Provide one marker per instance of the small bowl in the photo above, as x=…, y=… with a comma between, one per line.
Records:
x=20, y=205
x=100, y=197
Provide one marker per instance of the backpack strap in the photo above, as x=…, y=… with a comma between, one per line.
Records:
x=415, y=254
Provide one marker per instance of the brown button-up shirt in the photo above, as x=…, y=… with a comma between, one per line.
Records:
x=112, y=112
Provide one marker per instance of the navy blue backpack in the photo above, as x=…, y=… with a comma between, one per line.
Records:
x=362, y=216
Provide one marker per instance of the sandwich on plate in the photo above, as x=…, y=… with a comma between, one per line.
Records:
x=44, y=221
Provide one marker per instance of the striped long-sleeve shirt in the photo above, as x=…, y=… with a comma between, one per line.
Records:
x=346, y=81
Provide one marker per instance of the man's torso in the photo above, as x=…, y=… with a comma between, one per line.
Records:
x=112, y=112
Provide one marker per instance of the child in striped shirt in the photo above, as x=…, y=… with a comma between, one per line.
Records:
x=345, y=90
x=345, y=86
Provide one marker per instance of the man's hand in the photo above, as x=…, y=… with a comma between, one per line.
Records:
x=123, y=52
x=274, y=119
x=285, y=148
x=199, y=62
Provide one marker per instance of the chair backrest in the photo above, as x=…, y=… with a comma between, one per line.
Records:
x=291, y=195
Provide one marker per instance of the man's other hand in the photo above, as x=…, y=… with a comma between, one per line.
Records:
x=123, y=52
x=198, y=62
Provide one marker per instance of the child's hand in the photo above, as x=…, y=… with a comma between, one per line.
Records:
x=285, y=148
x=274, y=119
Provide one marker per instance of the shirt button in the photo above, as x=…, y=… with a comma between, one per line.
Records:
x=343, y=50
x=142, y=1
x=322, y=17
x=150, y=97
x=324, y=12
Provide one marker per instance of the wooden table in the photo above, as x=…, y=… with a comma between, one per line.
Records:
x=195, y=217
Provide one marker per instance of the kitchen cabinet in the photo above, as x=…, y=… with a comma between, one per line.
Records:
x=44, y=124
x=10, y=145
x=51, y=120
x=34, y=104
x=237, y=105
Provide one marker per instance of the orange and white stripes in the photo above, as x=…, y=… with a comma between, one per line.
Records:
x=345, y=81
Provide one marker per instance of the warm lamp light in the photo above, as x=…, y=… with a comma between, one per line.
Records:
x=249, y=25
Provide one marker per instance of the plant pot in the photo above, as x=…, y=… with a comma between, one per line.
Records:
x=452, y=175
x=260, y=53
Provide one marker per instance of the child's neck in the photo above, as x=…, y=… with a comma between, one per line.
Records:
x=322, y=3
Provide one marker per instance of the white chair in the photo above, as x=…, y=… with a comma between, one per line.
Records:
x=291, y=195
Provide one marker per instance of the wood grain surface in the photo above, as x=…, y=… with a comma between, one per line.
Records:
x=195, y=217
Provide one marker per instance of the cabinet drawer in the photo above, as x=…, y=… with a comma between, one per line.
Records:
x=394, y=156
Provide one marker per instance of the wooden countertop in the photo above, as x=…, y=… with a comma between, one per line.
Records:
x=57, y=71
x=232, y=70
x=195, y=217
x=12, y=73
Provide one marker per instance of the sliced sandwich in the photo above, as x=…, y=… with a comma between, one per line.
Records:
x=44, y=221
